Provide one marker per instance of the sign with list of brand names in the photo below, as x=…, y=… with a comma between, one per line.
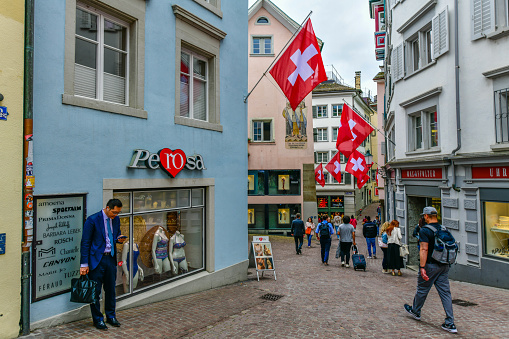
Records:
x=58, y=226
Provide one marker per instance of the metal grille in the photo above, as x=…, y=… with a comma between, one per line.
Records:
x=501, y=115
x=463, y=303
x=271, y=297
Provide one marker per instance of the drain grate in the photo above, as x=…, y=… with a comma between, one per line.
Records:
x=463, y=303
x=271, y=297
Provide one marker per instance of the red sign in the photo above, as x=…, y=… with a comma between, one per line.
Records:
x=494, y=172
x=426, y=173
x=376, y=191
x=172, y=162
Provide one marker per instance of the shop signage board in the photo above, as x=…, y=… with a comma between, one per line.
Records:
x=261, y=251
x=170, y=161
x=424, y=173
x=3, y=113
x=58, y=225
x=492, y=172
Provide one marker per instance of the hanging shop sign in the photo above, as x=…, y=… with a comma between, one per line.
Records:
x=3, y=113
x=427, y=173
x=492, y=172
x=170, y=161
x=58, y=222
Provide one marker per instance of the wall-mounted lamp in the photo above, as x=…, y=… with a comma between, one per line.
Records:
x=369, y=158
x=1, y=97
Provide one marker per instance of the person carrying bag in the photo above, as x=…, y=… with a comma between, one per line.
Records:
x=395, y=261
x=83, y=290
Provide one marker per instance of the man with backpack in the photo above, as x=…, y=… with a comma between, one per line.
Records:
x=325, y=230
x=369, y=231
x=437, y=252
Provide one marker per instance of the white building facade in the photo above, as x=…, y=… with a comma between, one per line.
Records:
x=447, y=85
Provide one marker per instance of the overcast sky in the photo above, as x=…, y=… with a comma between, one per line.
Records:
x=347, y=32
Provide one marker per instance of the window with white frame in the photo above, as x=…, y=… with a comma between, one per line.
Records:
x=423, y=129
x=262, y=130
x=335, y=133
x=502, y=115
x=262, y=21
x=490, y=18
x=419, y=49
x=212, y=5
x=321, y=134
x=337, y=110
x=391, y=146
x=101, y=57
x=193, y=86
x=320, y=111
x=321, y=157
x=326, y=177
x=262, y=45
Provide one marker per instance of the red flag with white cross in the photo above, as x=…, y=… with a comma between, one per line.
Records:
x=357, y=165
x=300, y=67
x=319, y=177
x=353, y=130
x=362, y=182
x=334, y=167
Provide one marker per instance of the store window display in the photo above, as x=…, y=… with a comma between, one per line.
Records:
x=160, y=252
x=136, y=269
x=497, y=229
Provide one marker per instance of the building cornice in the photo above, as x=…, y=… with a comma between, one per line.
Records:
x=420, y=97
x=197, y=22
x=418, y=14
x=495, y=73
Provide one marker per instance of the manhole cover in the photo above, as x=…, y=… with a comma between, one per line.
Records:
x=463, y=303
x=271, y=297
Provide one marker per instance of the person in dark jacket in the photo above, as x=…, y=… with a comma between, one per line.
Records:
x=298, y=232
x=369, y=231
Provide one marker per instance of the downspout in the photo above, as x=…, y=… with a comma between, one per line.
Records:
x=457, y=78
x=27, y=165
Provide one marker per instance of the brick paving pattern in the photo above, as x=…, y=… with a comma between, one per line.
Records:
x=319, y=301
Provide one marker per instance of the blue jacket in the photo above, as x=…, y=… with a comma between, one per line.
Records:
x=93, y=240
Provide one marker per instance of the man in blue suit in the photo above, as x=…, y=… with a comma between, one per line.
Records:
x=98, y=258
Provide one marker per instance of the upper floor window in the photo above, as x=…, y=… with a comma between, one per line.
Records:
x=337, y=110
x=423, y=129
x=501, y=115
x=321, y=157
x=490, y=18
x=320, y=111
x=262, y=45
x=262, y=21
x=101, y=57
x=335, y=133
x=193, y=86
x=212, y=5
x=321, y=134
x=262, y=130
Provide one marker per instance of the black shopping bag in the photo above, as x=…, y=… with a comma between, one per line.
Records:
x=83, y=290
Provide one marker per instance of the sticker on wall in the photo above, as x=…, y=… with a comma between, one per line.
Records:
x=3, y=113
x=30, y=181
x=29, y=170
x=29, y=224
x=29, y=200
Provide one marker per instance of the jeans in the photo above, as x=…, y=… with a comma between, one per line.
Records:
x=309, y=239
x=384, y=261
x=325, y=243
x=337, y=227
x=371, y=243
x=438, y=276
x=298, y=242
x=345, y=251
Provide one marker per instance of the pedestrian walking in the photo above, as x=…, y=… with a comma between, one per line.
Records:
x=383, y=240
x=395, y=261
x=310, y=230
x=353, y=221
x=346, y=234
x=326, y=231
x=297, y=231
x=432, y=272
x=369, y=231
x=379, y=211
x=101, y=232
x=337, y=222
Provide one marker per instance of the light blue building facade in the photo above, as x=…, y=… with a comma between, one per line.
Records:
x=123, y=89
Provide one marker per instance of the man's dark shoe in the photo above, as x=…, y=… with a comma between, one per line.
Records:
x=409, y=310
x=113, y=322
x=100, y=325
x=449, y=328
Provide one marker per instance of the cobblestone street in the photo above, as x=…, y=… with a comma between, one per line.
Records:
x=318, y=301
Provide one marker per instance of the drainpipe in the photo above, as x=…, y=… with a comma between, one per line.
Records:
x=27, y=164
x=457, y=78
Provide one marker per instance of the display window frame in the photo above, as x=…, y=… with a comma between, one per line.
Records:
x=497, y=237
x=178, y=208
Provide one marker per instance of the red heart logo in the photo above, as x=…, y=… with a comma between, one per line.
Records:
x=260, y=239
x=172, y=162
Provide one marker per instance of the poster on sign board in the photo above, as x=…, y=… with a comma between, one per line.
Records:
x=261, y=252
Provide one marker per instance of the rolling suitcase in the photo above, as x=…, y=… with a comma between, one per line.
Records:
x=359, y=262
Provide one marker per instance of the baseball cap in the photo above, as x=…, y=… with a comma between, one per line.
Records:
x=429, y=210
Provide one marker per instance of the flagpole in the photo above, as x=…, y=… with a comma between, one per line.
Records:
x=277, y=57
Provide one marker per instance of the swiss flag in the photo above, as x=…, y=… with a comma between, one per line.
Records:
x=353, y=130
x=319, y=175
x=357, y=165
x=334, y=167
x=300, y=68
x=364, y=180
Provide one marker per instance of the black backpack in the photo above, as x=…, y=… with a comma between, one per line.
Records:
x=445, y=248
x=324, y=229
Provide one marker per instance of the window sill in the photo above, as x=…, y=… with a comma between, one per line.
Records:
x=104, y=106
x=210, y=7
x=420, y=69
x=198, y=124
x=500, y=147
x=424, y=151
x=261, y=55
x=262, y=142
x=499, y=33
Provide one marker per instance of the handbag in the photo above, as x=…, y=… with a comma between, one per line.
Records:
x=83, y=290
x=308, y=230
x=403, y=250
x=381, y=243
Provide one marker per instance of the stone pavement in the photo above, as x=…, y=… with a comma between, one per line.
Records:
x=318, y=301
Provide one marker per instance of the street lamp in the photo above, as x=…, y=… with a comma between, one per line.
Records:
x=369, y=158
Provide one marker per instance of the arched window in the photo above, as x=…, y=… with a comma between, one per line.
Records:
x=262, y=21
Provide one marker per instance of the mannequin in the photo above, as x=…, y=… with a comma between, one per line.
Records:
x=138, y=272
x=178, y=256
x=160, y=252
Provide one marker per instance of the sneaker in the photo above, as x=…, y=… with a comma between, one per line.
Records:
x=416, y=316
x=369, y=257
x=347, y=265
x=374, y=256
x=449, y=328
x=342, y=263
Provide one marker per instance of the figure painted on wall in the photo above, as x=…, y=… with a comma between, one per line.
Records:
x=296, y=123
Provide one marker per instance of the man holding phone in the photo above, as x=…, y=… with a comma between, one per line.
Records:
x=98, y=259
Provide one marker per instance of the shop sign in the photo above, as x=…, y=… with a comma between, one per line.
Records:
x=323, y=202
x=58, y=224
x=492, y=172
x=337, y=201
x=170, y=161
x=3, y=113
x=426, y=173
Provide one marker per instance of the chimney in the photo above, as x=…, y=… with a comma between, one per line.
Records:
x=358, y=80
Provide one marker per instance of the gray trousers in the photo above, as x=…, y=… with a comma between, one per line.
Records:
x=438, y=276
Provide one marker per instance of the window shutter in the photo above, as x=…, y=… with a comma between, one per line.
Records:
x=398, y=63
x=483, y=18
x=315, y=112
x=382, y=150
x=440, y=28
x=348, y=178
x=315, y=135
x=316, y=158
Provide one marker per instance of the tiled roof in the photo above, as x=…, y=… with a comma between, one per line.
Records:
x=332, y=87
x=379, y=76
